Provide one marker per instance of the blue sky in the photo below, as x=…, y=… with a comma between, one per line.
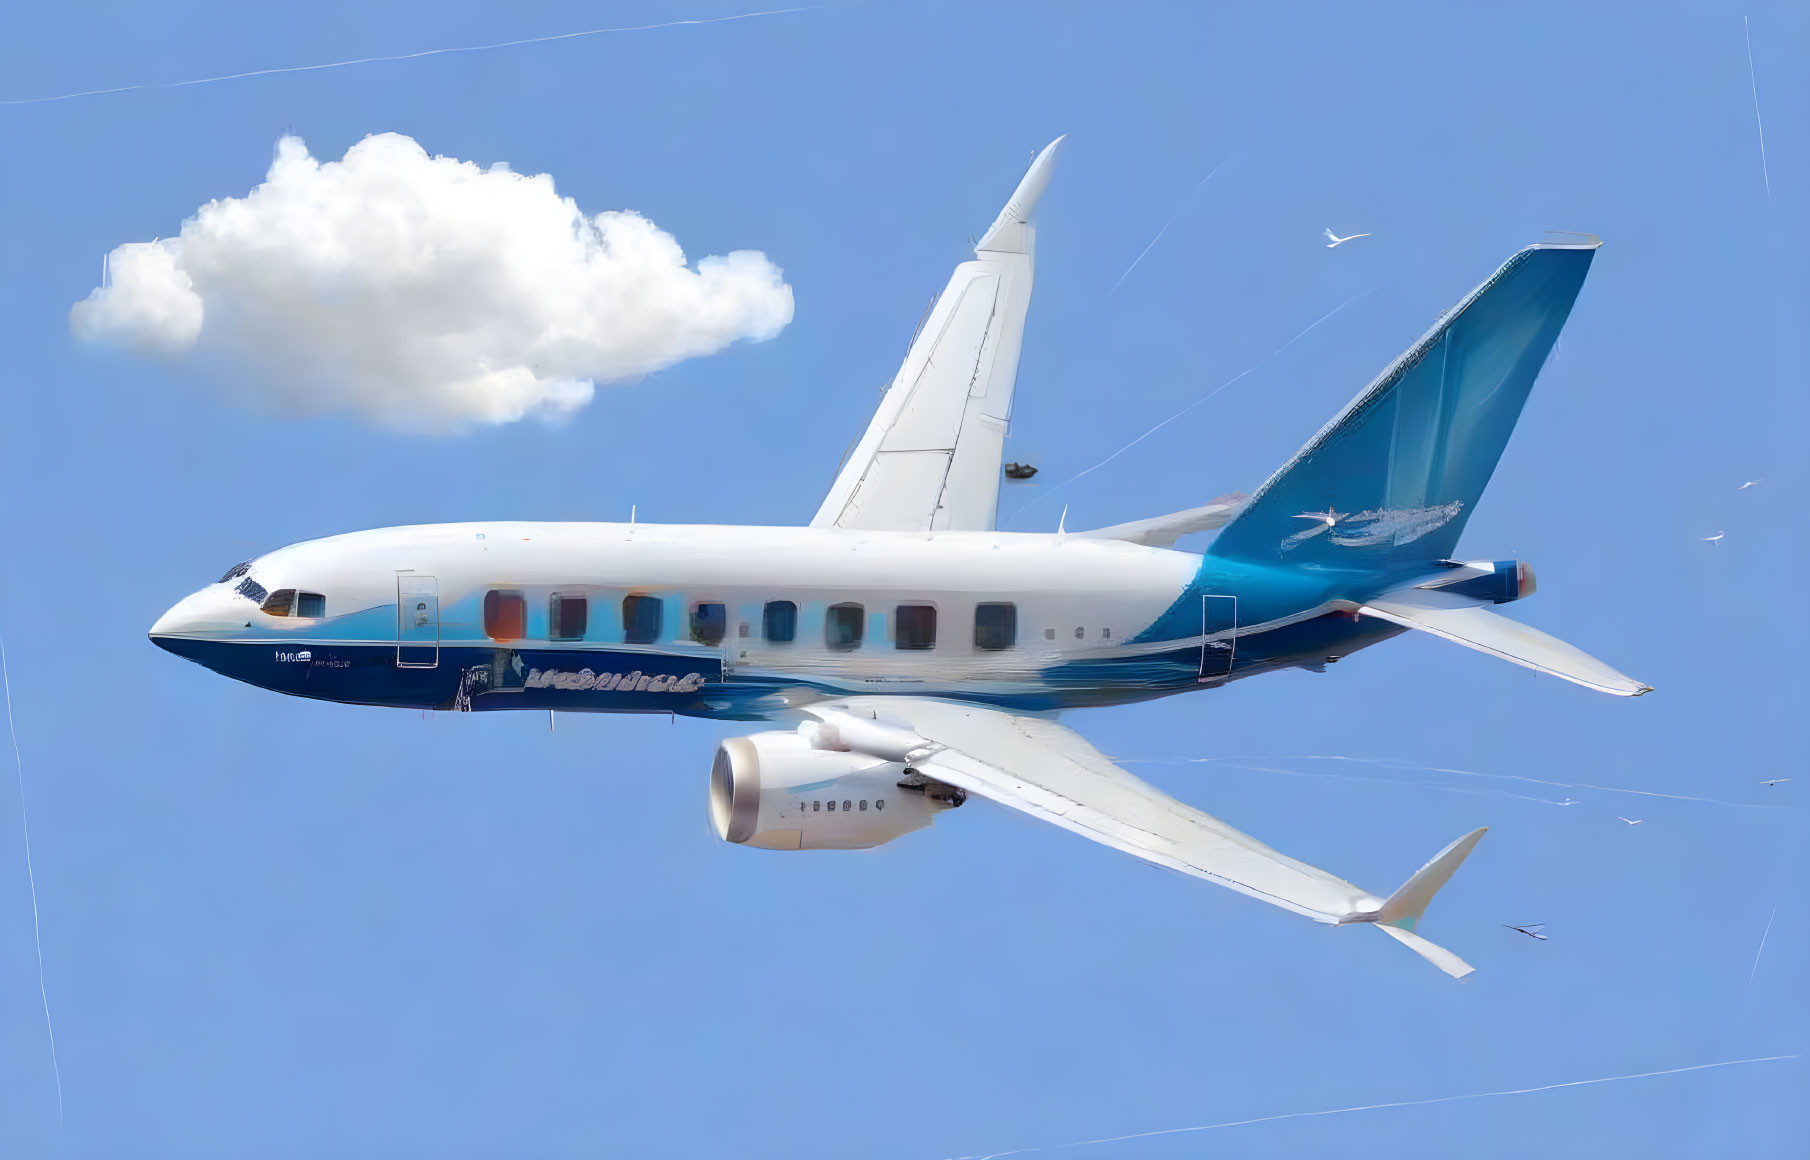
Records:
x=279, y=928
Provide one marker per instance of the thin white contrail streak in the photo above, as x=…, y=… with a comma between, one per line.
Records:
x=1758, y=124
x=1384, y=761
x=1762, y=950
x=1229, y=764
x=1140, y=257
x=1478, y=792
x=262, y=72
x=1241, y=374
x=1160, y=233
x=31, y=877
x=1393, y=1104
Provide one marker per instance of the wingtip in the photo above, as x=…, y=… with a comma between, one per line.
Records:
x=1023, y=202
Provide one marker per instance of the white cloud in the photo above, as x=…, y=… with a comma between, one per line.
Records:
x=423, y=292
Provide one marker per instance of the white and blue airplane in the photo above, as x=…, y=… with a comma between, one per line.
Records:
x=922, y=655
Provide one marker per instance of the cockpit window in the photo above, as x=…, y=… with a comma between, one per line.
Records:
x=289, y=602
x=234, y=572
x=251, y=590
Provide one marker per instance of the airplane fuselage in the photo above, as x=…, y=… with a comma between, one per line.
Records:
x=750, y=622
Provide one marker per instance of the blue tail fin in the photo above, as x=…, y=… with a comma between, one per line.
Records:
x=1394, y=476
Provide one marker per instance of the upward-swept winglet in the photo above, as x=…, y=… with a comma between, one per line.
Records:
x=1400, y=914
x=1006, y=233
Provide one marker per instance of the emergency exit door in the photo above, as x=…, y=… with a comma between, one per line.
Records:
x=417, y=621
x=1218, y=626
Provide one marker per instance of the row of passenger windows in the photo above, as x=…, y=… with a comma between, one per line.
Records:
x=818, y=807
x=844, y=627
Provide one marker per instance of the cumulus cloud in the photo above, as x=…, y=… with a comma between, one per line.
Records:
x=424, y=293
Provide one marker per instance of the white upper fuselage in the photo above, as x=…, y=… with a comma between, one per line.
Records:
x=1072, y=599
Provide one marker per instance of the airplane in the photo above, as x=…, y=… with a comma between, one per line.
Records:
x=1531, y=930
x=912, y=654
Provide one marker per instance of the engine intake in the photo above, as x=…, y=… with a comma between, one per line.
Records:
x=775, y=791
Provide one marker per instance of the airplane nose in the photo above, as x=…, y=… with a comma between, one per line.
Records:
x=201, y=614
x=166, y=624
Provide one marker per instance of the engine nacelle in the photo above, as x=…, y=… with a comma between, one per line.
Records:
x=775, y=791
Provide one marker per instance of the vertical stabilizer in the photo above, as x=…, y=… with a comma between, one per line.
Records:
x=1393, y=478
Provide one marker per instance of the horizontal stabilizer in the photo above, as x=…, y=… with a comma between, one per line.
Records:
x=1473, y=624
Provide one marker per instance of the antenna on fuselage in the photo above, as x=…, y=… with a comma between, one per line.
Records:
x=1062, y=522
x=631, y=521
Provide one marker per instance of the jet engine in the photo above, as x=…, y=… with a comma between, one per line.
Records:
x=778, y=792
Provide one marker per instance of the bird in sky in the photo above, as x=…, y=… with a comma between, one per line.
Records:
x=1630, y=821
x=1749, y=483
x=1336, y=240
x=1774, y=780
x=1531, y=930
x=1715, y=539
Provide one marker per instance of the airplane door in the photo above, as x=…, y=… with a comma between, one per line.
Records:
x=417, y=621
x=1218, y=615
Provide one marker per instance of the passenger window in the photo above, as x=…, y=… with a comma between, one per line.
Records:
x=505, y=615
x=311, y=604
x=1049, y=634
x=832, y=807
x=880, y=803
x=709, y=623
x=914, y=626
x=845, y=806
x=640, y=619
x=1106, y=634
x=863, y=805
x=1080, y=633
x=779, y=621
x=817, y=807
x=279, y=602
x=844, y=626
x=568, y=617
x=995, y=626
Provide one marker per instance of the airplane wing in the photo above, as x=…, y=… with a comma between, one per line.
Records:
x=1049, y=771
x=931, y=456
